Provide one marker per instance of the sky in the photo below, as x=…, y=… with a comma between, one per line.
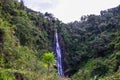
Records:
x=71, y=10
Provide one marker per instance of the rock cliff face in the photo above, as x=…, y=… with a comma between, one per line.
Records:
x=63, y=51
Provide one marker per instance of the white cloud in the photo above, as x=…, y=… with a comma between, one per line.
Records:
x=41, y=5
x=70, y=10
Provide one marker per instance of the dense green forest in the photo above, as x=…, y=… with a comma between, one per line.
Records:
x=90, y=47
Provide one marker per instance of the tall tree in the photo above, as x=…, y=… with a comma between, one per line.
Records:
x=22, y=4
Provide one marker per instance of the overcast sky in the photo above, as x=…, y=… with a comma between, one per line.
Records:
x=70, y=10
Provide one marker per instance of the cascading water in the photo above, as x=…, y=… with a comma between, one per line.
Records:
x=59, y=61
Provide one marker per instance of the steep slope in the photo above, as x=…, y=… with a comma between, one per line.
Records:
x=92, y=45
x=25, y=35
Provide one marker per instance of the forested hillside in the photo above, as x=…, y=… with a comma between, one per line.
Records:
x=90, y=47
x=93, y=46
x=25, y=35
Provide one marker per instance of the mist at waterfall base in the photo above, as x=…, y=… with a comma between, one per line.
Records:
x=59, y=57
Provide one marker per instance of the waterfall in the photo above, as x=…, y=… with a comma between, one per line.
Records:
x=58, y=53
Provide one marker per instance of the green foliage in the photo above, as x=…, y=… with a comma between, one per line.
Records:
x=48, y=58
x=100, y=68
x=23, y=41
x=22, y=58
x=92, y=45
x=89, y=65
x=115, y=76
x=81, y=75
x=5, y=75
